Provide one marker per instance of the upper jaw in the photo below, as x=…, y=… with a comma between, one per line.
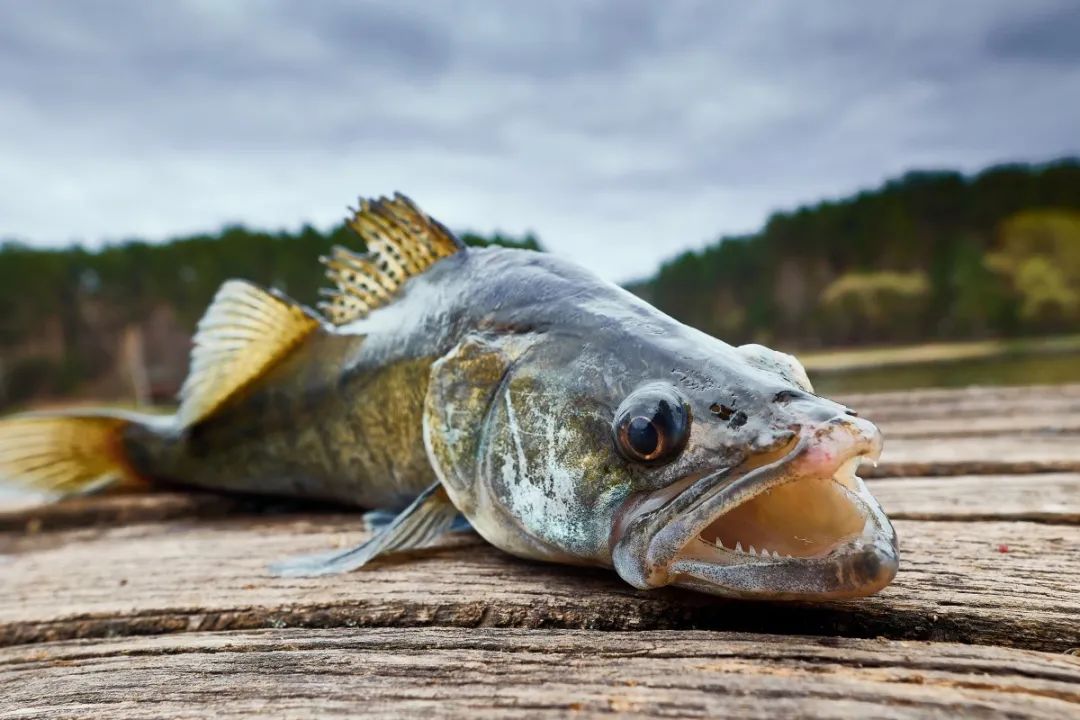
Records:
x=686, y=545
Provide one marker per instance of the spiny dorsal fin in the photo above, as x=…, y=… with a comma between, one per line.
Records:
x=244, y=332
x=402, y=242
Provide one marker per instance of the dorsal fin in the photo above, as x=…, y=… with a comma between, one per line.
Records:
x=402, y=242
x=244, y=332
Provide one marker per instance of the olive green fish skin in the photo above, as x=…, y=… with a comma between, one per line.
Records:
x=321, y=425
x=498, y=373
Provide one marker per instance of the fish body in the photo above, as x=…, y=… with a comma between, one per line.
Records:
x=566, y=419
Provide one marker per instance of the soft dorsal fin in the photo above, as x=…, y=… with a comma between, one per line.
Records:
x=244, y=332
x=402, y=242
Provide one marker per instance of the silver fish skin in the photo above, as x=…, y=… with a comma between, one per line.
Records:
x=565, y=418
x=526, y=426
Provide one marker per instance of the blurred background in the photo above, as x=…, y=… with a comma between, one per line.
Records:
x=892, y=191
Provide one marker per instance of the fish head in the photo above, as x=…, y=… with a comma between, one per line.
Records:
x=755, y=493
x=677, y=460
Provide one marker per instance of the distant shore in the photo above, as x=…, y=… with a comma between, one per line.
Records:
x=848, y=359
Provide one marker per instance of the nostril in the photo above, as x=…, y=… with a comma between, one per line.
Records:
x=721, y=411
x=787, y=395
x=735, y=418
x=852, y=413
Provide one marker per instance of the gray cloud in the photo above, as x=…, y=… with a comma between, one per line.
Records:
x=1049, y=34
x=621, y=132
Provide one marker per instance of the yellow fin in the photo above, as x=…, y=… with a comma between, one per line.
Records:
x=402, y=242
x=65, y=453
x=245, y=331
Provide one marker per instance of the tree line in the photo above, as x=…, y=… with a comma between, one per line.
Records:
x=930, y=255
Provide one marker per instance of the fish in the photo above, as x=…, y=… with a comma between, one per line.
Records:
x=561, y=417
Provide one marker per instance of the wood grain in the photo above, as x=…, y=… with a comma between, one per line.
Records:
x=1046, y=497
x=489, y=672
x=159, y=605
x=1053, y=498
x=954, y=584
x=969, y=400
x=979, y=455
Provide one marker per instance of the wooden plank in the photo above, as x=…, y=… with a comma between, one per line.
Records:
x=1008, y=425
x=1047, y=497
x=115, y=510
x=104, y=510
x=981, y=455
x=975, y=431
x=486, y=672
x=954, y=584
x=939, y=400
x=1041, y=497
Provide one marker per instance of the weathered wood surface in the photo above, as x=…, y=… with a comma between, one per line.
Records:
x=984, y=486
x=983, y=455
x=977, y=431
x=972, y=400
x=955, y=584
x=1053, y=498
x=514, y=673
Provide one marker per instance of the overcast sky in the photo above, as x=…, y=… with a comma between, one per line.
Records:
x=621, y=132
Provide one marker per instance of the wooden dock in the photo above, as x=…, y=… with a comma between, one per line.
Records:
x=159, y=606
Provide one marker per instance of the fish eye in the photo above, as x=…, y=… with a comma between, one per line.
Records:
x=652, y=425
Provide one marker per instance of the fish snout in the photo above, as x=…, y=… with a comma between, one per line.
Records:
x=838, y=440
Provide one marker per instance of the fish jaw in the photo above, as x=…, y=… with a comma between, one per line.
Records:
x=792, y=524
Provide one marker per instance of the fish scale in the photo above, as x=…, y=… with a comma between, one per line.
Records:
x=566, y=419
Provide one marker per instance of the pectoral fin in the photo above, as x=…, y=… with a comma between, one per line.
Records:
x=425, y=520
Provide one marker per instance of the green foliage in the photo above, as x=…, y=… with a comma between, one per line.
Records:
x=133, y=277
x=929, y=255
x=875, y=305
x=62, y=312
x=770, y=286
x=1039, y=255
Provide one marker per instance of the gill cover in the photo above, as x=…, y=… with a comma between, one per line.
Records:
x=519, y=453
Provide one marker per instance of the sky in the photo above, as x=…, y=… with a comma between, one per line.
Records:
x=621, y=132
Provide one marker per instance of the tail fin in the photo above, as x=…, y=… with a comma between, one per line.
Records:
x=245, y=331
x=68, y=453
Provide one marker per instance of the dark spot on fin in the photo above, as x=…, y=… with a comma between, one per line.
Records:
x=401, y=242
x=420, y=524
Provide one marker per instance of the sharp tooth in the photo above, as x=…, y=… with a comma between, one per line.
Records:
x=752, y=550
x=719, y=543
x=775, y=554
x=738, y=546
x=847, y=470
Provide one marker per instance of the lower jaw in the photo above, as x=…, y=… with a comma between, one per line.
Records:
x=837, y=545
x=857, y=572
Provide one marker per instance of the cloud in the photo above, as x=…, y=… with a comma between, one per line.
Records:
x=621, y=132
x=1050, y=34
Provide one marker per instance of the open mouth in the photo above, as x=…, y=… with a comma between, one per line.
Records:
x=807, y=517
x=793, y=523
x=798, y=523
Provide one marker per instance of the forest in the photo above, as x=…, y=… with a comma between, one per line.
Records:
x=929, y=255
